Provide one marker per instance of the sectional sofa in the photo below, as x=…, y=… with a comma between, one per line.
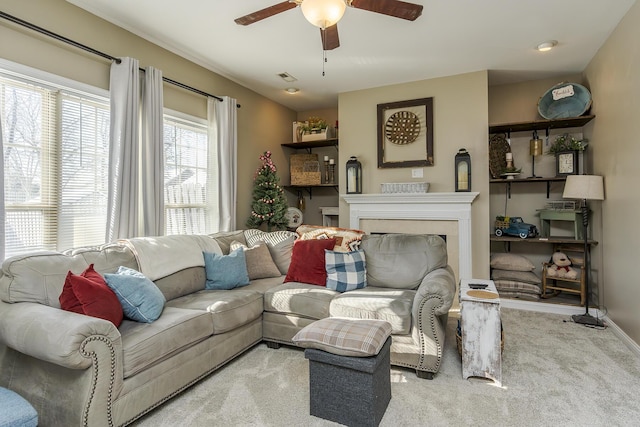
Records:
x=81, y=370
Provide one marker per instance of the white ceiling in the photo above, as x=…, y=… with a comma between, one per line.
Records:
x=451, y=37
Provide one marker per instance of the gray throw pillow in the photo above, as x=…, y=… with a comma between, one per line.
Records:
x=511, y=262
x=280, y=244
x=260, y=265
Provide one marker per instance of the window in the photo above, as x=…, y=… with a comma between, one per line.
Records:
x=55, y=144
x=190, y=196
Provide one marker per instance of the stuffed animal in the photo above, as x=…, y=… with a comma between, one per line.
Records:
x=561, y=267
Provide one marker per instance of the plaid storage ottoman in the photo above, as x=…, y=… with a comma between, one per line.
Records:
x=349, y=369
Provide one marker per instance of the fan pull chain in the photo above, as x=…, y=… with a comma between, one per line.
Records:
x=324, y=60
x=324, y=52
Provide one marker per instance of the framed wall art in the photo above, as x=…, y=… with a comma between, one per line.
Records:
x=405, y=133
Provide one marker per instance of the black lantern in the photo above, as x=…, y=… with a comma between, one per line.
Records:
x=354, y=176
x=463, y=170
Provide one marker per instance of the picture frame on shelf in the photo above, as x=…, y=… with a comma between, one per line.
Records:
x=405, y=133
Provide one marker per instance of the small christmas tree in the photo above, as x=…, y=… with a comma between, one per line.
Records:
x=269, y=202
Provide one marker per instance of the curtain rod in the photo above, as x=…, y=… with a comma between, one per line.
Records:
x=74, y=43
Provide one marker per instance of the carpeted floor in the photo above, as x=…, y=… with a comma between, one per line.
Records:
x=555, y=373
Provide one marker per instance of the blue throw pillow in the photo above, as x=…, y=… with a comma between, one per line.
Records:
x=225, y=271
x=140, y=298
x=346, y=271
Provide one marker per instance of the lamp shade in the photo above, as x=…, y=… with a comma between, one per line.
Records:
x=323, y=13
x=587, y=187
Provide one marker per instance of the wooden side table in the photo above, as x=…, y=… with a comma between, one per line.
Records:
x=481, y=330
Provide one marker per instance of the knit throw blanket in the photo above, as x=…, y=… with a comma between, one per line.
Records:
x=161, y=256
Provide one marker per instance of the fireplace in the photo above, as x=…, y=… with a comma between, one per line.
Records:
x=446, y=214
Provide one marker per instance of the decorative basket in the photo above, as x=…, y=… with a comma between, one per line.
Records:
x=305, y=169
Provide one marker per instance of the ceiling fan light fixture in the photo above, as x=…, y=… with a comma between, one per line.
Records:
x=323, y=13
x=547, y=46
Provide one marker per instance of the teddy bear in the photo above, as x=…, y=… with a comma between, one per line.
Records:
x=561, y=267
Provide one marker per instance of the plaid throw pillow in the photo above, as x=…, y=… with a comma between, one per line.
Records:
x=346, y=271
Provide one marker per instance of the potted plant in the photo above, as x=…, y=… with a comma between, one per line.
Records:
x=314, y=125
x=567, y=142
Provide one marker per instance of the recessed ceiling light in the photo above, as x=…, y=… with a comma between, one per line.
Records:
x=292, y=90
x=547, y=46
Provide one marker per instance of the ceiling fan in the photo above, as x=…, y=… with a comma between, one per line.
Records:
x=334, y=9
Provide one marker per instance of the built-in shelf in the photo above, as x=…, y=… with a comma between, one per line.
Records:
x=528, y=180
x=309, y=145
x=555, y=241
x=571, y=122
x=309, y=188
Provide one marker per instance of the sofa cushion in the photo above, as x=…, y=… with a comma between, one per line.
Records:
x=280, y=244
x=346, y=271
x=224, y=239
x=228, y=309
x=89, y=294
x=392, y=305
x=347, y=239
x=225, y=271
x=140, y=298
x=301, y=299
x=345, y=337
x=401, y=261
x=260, y=265
x=307, y=262
x=39, y=276
x=183, y=282
x=144, y=344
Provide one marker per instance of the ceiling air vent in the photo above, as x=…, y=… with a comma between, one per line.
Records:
x=287, y=77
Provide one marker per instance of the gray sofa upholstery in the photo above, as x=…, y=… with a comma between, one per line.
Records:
x=80, y=370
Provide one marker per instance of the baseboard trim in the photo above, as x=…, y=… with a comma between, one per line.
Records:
x=626, y=339
x=568, y=310
x=543, y=307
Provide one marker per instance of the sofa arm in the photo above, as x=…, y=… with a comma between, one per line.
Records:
x=439, y=283
x=431, y=305
x=55, y=335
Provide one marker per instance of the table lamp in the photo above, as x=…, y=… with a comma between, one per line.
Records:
x=585, y=187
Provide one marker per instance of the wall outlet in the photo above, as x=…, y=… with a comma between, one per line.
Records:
x=417, y=173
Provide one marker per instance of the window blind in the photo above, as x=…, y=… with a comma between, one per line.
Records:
x=55, y=165
x=190, y=203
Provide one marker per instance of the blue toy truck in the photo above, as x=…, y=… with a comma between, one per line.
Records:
x=514, y=226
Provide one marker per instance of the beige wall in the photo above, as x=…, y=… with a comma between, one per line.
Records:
x=262, y=123
x=460, y=120
x=614, y=78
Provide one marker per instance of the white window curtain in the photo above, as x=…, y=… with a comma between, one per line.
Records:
x=222, y=123
x=2, y=212
x=152, y=158
x=122, y=207
x=136, y=171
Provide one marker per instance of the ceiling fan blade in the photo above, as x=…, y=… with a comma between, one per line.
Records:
x=395, y=8
x=265, y=13
x=330, y=38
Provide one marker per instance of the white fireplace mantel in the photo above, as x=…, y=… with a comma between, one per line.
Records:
x=421, y=206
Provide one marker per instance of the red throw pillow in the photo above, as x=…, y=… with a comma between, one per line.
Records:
x=89, y=294
x=307, y=261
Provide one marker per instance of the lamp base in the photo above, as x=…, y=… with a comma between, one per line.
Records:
x=587, y=319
